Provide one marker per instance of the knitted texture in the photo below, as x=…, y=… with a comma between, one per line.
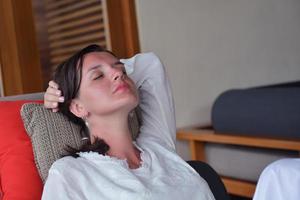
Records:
x=52, y=132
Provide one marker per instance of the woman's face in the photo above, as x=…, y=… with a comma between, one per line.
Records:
x=105, y=88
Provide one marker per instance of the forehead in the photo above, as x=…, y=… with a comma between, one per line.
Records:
x=94, y=58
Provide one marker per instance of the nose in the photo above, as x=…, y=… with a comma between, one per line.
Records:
x=118, y=74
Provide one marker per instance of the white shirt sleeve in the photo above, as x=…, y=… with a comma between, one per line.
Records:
x=56, y=187
x=156, y=100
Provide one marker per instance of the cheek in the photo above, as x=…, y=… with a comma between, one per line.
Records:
x=98, y=101
x=133, y=88
x=96, y=93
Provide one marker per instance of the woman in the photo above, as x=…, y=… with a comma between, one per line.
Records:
x=98, y=93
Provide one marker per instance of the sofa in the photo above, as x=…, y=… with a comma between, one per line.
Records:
x=271, y=111
x=229, y=160
x=20, y=170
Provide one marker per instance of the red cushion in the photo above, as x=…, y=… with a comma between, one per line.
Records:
x=0, y=191
x=19, y=176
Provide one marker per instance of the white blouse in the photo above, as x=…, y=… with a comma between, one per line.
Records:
x=162, y=175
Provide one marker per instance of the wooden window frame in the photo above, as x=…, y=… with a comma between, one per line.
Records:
x=21, y=70
x=123, y=31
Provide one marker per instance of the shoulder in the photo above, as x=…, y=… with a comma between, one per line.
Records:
x=63, y=164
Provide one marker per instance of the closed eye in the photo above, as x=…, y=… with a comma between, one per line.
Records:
x=98, y=77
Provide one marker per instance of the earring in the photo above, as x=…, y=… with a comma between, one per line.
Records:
x=87, y=125
x=85, y=121
x=131, y=113
x=84, y=138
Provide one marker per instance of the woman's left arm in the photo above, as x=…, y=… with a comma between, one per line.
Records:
x=156, y=100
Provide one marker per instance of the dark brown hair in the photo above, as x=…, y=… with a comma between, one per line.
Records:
x=68, y=76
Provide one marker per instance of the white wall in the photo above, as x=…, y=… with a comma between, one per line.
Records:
x=209, y=46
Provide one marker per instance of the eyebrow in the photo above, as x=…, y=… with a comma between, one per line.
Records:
x=94, y=67
x=99, y=66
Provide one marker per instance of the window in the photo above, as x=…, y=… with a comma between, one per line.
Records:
x=64, y=27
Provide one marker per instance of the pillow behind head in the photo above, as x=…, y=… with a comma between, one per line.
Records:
x=51, y=133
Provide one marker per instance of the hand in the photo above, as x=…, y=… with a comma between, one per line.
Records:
x=52, y=96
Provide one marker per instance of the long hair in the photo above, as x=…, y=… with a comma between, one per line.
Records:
x=68, y=76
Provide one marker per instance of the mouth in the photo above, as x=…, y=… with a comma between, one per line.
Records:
x=120, y=87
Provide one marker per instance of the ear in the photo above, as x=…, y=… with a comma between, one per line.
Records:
x=77, y=108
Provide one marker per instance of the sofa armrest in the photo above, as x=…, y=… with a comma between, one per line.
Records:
x=30, y=96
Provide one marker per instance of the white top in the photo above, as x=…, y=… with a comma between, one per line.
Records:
x=279, y=181
x=162, y=175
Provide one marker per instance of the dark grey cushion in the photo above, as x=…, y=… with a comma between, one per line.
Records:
x=272, y=111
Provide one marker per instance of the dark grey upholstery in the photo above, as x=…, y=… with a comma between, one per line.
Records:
x=272, y=111
x=212, y=178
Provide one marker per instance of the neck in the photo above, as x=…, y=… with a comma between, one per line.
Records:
x=115, y=132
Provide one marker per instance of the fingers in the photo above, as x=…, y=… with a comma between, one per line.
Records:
x=53, y=91
x=53, y=96
x=50, y=104
x=54, y=109
x=52, y=84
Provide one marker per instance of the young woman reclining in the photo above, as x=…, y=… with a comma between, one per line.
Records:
x=98, y=91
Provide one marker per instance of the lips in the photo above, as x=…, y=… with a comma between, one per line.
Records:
x=121, y=86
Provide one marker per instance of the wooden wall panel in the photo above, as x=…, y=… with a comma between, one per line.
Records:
x=19, y=55
x=42, y=40
x=123, y=27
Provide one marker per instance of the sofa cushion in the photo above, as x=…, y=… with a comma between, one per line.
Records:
x=19, y=176
x=51, y=132
x=272, y=111
x=37, y=96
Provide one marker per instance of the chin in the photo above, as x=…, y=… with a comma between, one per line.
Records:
x=129, y=103
x=132, y=99
x=133, y=103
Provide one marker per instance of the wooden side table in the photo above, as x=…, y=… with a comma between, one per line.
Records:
x=197, y=137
